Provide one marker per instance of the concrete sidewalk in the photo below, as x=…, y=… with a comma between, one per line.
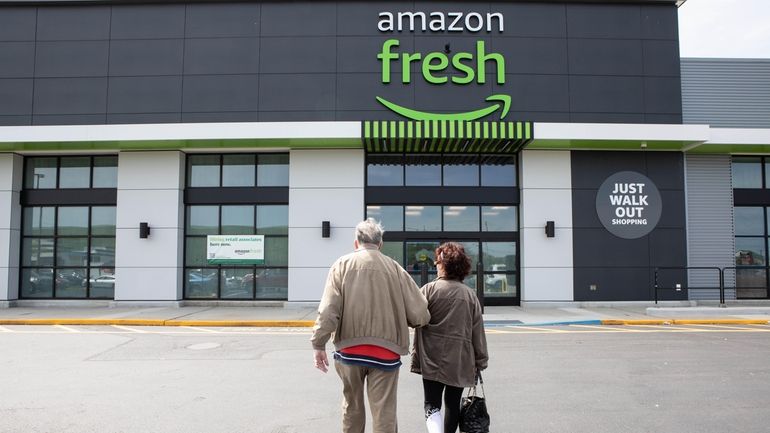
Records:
x=303, y=315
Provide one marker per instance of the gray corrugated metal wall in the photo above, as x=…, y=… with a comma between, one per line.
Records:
x=710, y=233
x=726, y=92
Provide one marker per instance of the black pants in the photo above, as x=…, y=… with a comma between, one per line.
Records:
x=452, y=395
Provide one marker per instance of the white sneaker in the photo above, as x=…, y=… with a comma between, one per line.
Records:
x=435, y=423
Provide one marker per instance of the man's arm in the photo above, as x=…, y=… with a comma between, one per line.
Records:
x=329, y=313
x=417, y=314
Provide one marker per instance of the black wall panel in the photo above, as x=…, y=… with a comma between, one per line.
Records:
x=15, y=96
x=71, y=59
x=221, y=56
x=623, y=269
x=17, y=59
x=146, y=57
x=317, y=60
x=144, y=94
x=147, y=21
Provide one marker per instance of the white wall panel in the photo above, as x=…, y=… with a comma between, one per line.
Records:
x=156, y=207
x=541, y=205
x=546, y=195
x=324, y=185
x=161, y=249
x=10, y=215
x=11, y=169
x=308, y=249
x=341, y=207
x=307, y=284
x=547, y=284
x=545, y=169
x=150, y=170
x=150, y=188
x=326, y=168
x=545, y=252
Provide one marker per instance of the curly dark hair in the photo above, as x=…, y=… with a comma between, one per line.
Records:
x=457, y=264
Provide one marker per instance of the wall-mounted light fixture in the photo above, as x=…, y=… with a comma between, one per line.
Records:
x=550, y=230
x=144, y=230
x=325, y=229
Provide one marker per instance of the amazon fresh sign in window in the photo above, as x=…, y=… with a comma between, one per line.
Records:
x=440, y=68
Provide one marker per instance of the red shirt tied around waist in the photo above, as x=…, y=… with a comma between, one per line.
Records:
x=368, y=355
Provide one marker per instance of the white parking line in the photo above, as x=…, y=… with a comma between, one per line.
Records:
x=68, y=329
x=541, y=329
x=199, y=329
x=126, y=328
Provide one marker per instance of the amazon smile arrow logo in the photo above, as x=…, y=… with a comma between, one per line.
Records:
x=504, y=104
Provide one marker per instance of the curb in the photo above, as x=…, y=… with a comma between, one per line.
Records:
x=163, y=322
x=686, y=322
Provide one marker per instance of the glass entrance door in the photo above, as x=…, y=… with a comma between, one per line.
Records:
x=499, y=264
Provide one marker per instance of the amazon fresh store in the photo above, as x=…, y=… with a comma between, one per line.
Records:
x=194, y=151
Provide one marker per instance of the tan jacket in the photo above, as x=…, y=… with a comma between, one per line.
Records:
x=453, y=345
x=369, y=299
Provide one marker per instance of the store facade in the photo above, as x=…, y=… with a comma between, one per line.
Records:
x=172, y=151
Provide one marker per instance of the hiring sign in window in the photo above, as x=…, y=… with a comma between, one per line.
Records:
x=235, y=250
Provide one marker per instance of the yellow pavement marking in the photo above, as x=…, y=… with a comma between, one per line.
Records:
x=677, y=328
x=126, y=328
x=727, y=328
x=67, y=329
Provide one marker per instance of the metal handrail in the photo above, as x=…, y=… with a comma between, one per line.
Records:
x=765, y=268
x=720, y=272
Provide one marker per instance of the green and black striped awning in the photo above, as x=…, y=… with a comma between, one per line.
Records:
x=445, y=136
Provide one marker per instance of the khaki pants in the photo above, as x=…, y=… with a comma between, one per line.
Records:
x=381, y=387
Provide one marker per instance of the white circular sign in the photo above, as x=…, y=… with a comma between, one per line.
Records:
x=629, y=205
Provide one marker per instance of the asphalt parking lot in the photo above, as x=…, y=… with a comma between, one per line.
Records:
x=572, y=379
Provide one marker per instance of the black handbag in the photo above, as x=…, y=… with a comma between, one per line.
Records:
x=474, y=417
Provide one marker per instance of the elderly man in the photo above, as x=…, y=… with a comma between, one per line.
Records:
x=369, y=302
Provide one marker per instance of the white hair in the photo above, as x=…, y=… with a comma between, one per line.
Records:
x=369, y=232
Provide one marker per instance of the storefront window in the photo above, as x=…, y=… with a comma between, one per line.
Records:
x=41, y=173
x=473, y=200
x=203, y=170
x=68, y=252
x=68, y=172
x=499, y=219
x=273, y=170
x=391, y=217
x=498, y=171
x=238, y=170
x=385, y=170
x=105, y=172
x=75, y=172
x=461, y=218
x=422, y=218
x=423, y=170
x=460, y=171
x=266, y=281
x=747, y=172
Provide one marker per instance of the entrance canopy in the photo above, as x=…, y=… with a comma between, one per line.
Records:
x=386, y=137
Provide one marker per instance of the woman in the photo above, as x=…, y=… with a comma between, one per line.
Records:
x=452, y=348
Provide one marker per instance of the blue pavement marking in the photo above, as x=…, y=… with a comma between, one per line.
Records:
x=499, y=323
